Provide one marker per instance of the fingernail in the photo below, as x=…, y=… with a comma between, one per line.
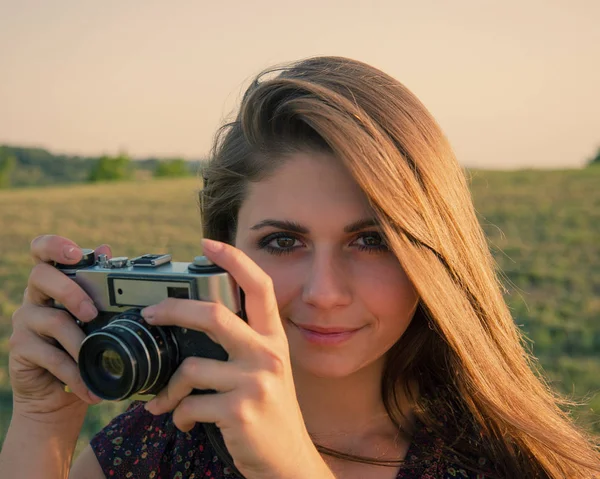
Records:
x=148, y=313
x=71, y=252
x=212, y=246
x=93, y=397
x=87, y=310
x=149, y=405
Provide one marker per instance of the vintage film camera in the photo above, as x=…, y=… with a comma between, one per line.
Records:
x=122, y=356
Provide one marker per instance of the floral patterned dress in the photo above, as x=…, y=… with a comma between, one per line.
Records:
x=139, y=445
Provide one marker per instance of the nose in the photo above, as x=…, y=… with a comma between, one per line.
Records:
x=328, y=282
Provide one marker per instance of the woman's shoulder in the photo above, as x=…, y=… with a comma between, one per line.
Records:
x=139, y=444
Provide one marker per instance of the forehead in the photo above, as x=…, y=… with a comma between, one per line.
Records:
x=306, y=188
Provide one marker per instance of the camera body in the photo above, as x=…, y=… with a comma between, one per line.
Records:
x=122, y=356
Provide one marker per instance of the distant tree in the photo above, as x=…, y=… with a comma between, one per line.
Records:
x=172, y=168
x=112, y=169
x=8, y=162
x=595, y=161
x=36, y=167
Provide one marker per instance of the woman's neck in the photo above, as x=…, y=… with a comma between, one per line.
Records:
x=349, y=406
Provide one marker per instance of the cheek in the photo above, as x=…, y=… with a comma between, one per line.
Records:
x=387, y=293
x=286, y=283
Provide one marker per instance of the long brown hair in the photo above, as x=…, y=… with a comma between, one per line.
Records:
x=477, y=385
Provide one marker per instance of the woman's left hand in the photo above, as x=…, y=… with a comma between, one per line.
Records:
x=255, y=407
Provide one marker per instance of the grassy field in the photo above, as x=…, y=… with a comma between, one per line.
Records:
x=543, y=227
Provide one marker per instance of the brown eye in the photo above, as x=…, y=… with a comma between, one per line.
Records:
x=372, y=240
x=280, y=243
x=285, y=242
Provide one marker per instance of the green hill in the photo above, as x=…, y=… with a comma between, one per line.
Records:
x=31, y=167
x=543, y=227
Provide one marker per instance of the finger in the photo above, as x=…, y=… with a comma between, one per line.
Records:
x=49, y=248
x=53, y=248
x=104, y=249
x=261, y=304
x=46, y=283
x=203, y=408
x=55, y=324
x=39, y=353
x=194, y=373
x=219, y=323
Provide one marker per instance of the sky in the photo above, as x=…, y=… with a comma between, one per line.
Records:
x=513, y=83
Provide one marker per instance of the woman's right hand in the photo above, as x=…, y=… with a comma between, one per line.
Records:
x=37, y=367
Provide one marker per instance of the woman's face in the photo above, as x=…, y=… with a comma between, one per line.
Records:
x=311, y=229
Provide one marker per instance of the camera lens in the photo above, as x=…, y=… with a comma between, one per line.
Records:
x=112, y=363
x=127, y=357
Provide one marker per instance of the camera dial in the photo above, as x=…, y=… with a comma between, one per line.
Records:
x=87, y=259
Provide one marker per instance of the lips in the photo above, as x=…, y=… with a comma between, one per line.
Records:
x=326, y=337
x=322, y=330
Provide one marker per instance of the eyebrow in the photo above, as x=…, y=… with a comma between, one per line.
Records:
x=298, y=228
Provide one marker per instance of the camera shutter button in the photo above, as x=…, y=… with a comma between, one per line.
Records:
x=202, y=261
x=202, y=265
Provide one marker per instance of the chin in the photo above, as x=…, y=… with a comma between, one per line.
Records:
x=328, y=368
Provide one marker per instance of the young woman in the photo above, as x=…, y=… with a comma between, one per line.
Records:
x=378, y=343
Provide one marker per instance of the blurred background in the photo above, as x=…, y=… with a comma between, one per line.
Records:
x=108, y=108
